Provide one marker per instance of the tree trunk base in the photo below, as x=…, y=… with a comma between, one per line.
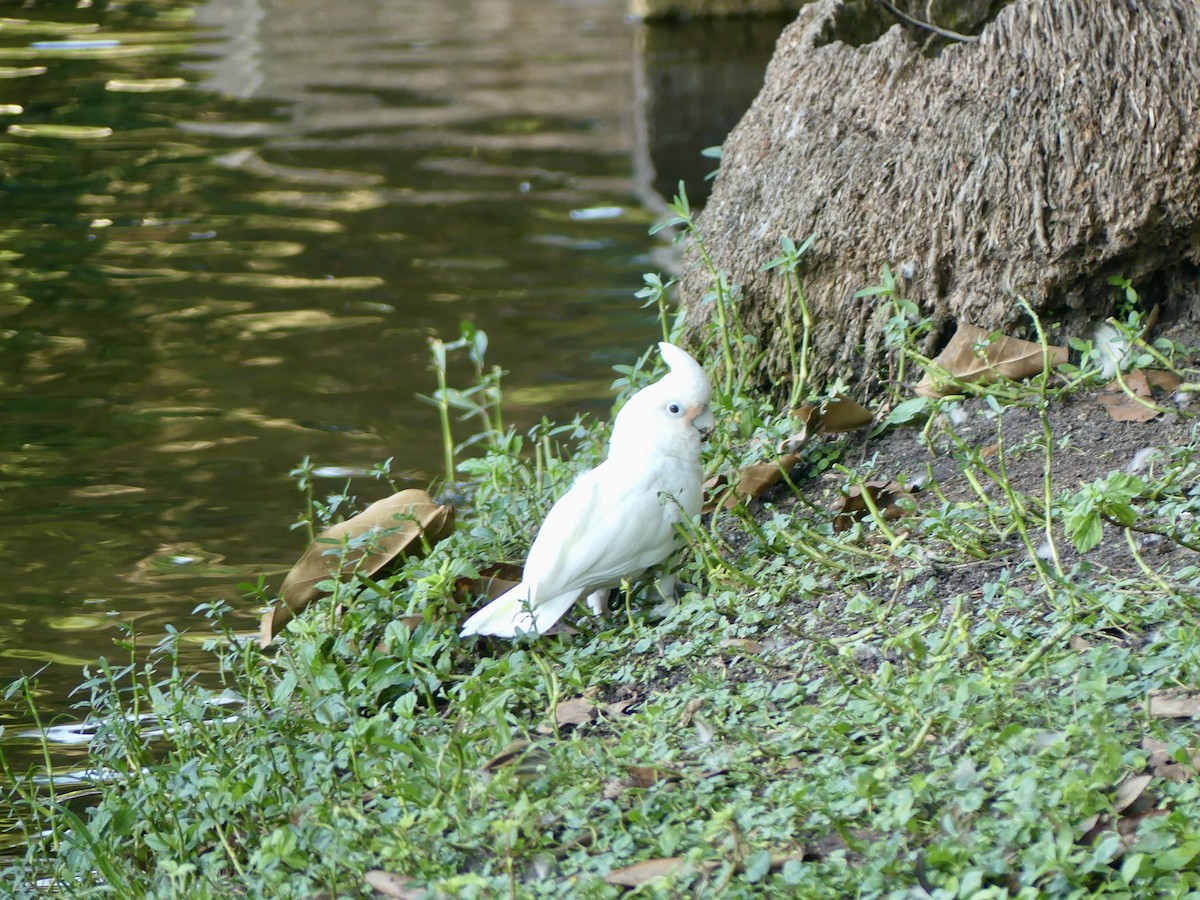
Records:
x=1059, y=149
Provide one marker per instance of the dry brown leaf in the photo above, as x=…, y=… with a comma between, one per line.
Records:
x=621, y=707
x=884, y=494
x=523, y=757
x=756, y=480
x=1125, y=826
x=713, y=489
x=809, y=415
x=842, y=414
x=1122, y=407
x=640, y=873
x=689, y=712
x=833, y=416
x=648, y=776
x=1175, y=704
x=1162, y=379
x=1132, y=804
x=837, y=414
x=493, y=580
x=752, y=482
x=810, y=419
x=1130, y=788
x=560, y=627
x=1004, y=357
x=392, y=885
x=506, y=757
x=1162, y=763
x=389, y=529
x=575, y=712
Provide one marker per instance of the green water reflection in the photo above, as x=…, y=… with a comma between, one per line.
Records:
x=227, y=230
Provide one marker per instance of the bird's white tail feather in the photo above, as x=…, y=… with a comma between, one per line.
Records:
x=509, y=613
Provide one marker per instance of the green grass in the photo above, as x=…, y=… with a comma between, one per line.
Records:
x=829, y=716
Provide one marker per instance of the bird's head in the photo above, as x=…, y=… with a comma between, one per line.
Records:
x=673, y=415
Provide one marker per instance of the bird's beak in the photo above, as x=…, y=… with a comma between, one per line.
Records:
x=702, y=420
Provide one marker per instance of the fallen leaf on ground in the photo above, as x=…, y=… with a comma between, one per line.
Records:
x=640, y=873
x=507, y=756
x=998, y=357
x=752, y=482
x=1130, y=788
x=834, y=415
x=524, y=757
x=386, y=530
x=1162, y=379
x=648, y=776
x=493, y=581
x=1163, y=762
x=1122, y=407
x=809, y=417
x=620, y=707
x=1174, y=704
x=885, y=495
x=392, y=885
x=1132, y=802
x=715, y=496
x=689, y=712
x=571, y=713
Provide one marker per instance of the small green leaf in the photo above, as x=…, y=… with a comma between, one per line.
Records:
x=1086, y=532
x=1177, y=857
x=793, y=871
x=758, y=865
x=904, y=413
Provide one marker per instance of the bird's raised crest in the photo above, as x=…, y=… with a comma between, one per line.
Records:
x=680, y=362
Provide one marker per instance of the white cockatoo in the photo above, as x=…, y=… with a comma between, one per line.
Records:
x=618, y=519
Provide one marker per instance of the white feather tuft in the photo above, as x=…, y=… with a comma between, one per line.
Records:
x=1113, y=348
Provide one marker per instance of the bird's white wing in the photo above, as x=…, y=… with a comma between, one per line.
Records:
x=610, y=525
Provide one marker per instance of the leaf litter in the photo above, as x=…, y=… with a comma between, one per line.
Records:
x=404, y=524
x=1133, y=400
x=836, y=415
x=980, y=357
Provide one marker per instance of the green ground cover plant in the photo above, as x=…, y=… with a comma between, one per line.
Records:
x=981, y=684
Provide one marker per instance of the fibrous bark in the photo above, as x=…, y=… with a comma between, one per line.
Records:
x=1059, y=149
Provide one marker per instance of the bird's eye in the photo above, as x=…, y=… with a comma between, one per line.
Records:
x=674, y=409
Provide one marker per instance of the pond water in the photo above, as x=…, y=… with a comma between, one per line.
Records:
x=227, y=231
